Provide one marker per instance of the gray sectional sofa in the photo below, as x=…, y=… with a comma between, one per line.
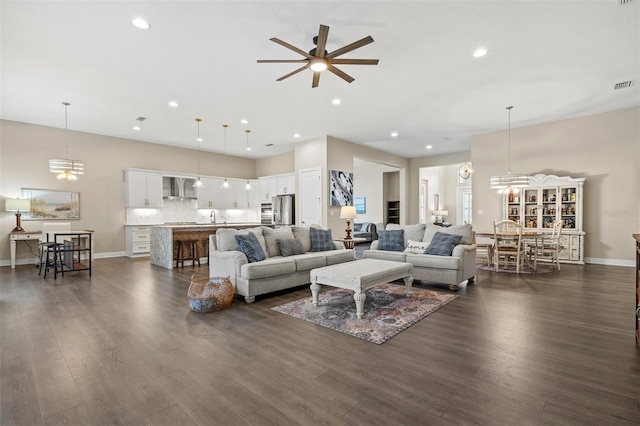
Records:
x=366, y=230
x=451, y=270
x=276, y=272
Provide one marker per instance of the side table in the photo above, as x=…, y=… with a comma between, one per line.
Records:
x=350, y=243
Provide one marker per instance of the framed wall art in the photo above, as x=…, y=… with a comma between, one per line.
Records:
x=341, y=187
x=47, y=204
x=361, y=204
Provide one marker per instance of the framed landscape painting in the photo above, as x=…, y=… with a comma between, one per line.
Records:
x=51, y=205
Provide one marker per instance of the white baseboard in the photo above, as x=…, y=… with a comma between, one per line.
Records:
x=611, y=262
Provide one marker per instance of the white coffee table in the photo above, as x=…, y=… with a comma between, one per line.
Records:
x=359, y=276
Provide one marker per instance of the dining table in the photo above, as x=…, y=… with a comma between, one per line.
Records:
x=531, y=240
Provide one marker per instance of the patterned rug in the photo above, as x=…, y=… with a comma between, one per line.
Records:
x=387, y=311
x=511, y=269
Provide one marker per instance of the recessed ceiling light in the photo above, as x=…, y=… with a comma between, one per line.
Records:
x=173, y=104
x=140, y=23
x=336, y=101
x=479, y=53
x=296, y=135
x=429, y=147
x=394, y=134
x=136, y=128
x=244, y=121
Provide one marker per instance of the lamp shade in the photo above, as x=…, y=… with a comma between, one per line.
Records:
x=441, y=212
x=347, y=212
x=17, y=205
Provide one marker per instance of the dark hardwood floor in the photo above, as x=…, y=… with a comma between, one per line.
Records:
x=122, y=347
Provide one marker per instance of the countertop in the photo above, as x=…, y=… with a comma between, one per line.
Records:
x=199, y=225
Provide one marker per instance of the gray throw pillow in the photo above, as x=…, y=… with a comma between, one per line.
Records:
x=391, y=240
x=271, y=235
x=249, y=245
x=321, y=239
x=443, y=244
x=302, y=234
x=290, y=247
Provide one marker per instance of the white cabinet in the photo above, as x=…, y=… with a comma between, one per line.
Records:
x=206, y=194
x=267, y=189
x=248, y=198
x=286, y=185
x=546, y=200
x=270, y=186
x=137, y=241
x=213, y=196
x=143, y=190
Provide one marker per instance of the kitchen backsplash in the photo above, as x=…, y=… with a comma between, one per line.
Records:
x=187, y=211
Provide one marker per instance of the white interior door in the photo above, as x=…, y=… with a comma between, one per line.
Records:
x=310, y=196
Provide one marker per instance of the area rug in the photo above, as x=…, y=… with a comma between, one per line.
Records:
x=387, y=310
x=511, y=269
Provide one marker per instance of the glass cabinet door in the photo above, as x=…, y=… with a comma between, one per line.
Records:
x=567, y=206
x=549, y=207
x=513, y=206
x=531, y=198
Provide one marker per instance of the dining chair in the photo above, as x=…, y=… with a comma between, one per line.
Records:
x=551, y=246
x=508, y=244
x=484, y=251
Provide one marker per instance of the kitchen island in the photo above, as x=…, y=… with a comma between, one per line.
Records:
x=163, y=238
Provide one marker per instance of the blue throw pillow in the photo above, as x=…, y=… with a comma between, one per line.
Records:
x=321, y=239
x=443, y=244
x=289, y=247
x=249, y=245
x=365, y=227
x=392, y=240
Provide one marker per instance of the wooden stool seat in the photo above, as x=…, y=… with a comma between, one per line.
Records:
x=193, y=252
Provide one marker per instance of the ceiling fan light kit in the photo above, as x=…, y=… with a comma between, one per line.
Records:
x=318, y=59
x=64, y=167
x=509, y=182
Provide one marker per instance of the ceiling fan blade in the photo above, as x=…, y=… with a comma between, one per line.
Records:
x=293, y=72
x=287, y=61
x=322, y=41
x=350, y=47
x=346, y=77
x=355, y=61
x=316, y=79
x=288, y=46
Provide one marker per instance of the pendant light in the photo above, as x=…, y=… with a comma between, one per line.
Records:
x=198, y=183
x=225, y=184
x=248, y=147
x=66, y=168
x=509, y=182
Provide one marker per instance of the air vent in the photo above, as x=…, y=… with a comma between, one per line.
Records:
x=623, y=85
x=625, y=2
x=269, y=144
x=141, y=118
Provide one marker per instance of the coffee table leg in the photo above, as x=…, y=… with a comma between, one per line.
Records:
x=359, y=298
x=408, y=281
x=315, y=290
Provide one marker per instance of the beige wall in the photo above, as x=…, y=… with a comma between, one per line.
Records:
x=275, y=165
x=25, y=150
x=603, y=148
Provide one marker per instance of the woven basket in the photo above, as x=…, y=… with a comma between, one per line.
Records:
x=210, y=294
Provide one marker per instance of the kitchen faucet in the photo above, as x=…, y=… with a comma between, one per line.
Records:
x=213, y=216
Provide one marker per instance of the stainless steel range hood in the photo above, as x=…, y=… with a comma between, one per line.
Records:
x=178, y=188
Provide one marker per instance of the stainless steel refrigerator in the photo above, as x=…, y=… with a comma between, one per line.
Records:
x=283, y=208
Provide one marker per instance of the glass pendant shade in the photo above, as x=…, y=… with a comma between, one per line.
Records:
x=198, y=183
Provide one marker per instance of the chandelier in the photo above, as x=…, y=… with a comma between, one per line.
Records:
x=509, y=182
x=66, y=168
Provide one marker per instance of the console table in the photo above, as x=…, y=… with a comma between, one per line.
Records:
x=637, y=238
x=14, y=237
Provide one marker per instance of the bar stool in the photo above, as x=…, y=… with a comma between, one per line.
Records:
x=180, y=255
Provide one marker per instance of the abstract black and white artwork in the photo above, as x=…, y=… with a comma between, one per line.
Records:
x=341, y=188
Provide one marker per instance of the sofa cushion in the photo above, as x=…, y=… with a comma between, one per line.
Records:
x=416, y=247
x=392, y=240
x=411, y=232
x=249, y=245
x=357, y=227
x=289, y=247
x=271, y=267
x=465, y=230
x=308, y=261
x=394, y=256
x=442, y=244
x=271, y=235
x=334, y=257
x=225, y=238
x=321, y=239
x=302, y=234
x=433, y=262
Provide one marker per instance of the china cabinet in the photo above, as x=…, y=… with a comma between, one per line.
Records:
x=547, y=199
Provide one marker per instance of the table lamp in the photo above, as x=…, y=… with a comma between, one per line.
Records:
x=348, y=212
x=17, y=205
x=440, y=215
